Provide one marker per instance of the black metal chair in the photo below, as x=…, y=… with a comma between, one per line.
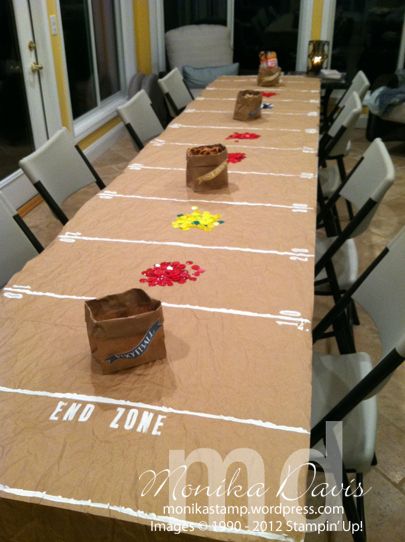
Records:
x=336, y=266
x=345, y=386
x=17, y=242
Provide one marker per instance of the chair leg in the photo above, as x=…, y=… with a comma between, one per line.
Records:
x=342, y=328
x=135, y=138
x=354, y=315
x=353, y=513
x=342, y=169
x=54, y=207
x=374, y=461
x=351, y=510
x=97, y=178
x=343, y=177
x=360, y=503
x=326, y=217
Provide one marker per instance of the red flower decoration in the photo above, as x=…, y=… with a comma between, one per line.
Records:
x=243, y=135
x=269, y=94
x=167, y=273
x=235, y=157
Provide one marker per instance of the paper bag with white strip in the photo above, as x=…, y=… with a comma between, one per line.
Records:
x=207, y=167
x=248, y=105
x=269, y=77
x=125, y=330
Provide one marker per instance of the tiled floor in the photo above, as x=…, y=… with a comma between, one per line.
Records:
x=385, y=502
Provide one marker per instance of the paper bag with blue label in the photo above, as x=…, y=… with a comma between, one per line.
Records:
x=125, y=330
x=248, y=105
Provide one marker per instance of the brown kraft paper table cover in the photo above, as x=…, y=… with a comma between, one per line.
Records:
x=78, y=448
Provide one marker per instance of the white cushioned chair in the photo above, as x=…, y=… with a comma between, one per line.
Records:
x=176, y=92
x=58, y=169
x=199, y=46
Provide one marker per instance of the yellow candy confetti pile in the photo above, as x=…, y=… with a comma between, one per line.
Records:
x=201, y=220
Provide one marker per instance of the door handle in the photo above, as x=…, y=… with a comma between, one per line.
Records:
x=35, y=67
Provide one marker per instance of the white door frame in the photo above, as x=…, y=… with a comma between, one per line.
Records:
x=44, y=113
x=401, y=56
x=157, y=35
x=304, y=34
x=43, y=54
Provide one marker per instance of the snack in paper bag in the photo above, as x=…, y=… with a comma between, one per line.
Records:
x=268, y=59
x=207, y=167
x=269, y=71
x=125, y=330
x=248, y=105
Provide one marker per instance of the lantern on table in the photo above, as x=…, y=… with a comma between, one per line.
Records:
x=318, y=52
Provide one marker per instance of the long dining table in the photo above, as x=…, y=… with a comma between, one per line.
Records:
x=83, y=454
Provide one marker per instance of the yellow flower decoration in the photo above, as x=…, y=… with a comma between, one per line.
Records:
x=200, y=220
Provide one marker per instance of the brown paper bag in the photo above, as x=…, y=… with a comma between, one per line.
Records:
x=248, y=105
x=268, y=77
x=125, y=330
x=207, y=167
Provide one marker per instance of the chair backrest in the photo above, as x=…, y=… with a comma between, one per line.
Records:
x=175, y=91
x=372, y=178
x=359, y=84
x=58, y=166
x=139, y=114
x=199, y=46
x=346, y=122
x=15, y=247
x=382, y=295
x=151, y=87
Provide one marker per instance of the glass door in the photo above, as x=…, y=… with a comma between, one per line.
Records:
x=368, y=36
x=23, y=125
x=266, y=25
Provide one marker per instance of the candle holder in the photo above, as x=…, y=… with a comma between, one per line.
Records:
x=318, y=52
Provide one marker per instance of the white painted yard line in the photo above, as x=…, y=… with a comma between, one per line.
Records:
x=264, y=89
x=287, y=78
x=227, y=79
x=99, y=399
x=271, y=112
x=157, y=142
x=130, y=512
x=295, y=207
x=244, y=128
x=274, y=98
x=18, y=292
x=303, y=175
x=303, y=324
x=71, y=237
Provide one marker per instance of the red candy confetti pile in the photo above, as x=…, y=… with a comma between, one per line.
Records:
x=243, y=135
x=168, y=273
x=235, y=157
x=269, y=94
